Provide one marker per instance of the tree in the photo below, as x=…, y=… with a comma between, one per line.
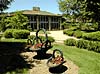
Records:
x=88, y=9
x=69, y=7
x=82, y=9
x=2, y=24
x=4, y=4
x=17, y=21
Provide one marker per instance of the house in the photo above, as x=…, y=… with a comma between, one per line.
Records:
x=43, y=19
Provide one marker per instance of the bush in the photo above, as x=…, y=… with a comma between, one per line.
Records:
x=78, y=34
x=1, y=35
x=21, y=34
x=70, y=42
x=42, y=38
x=82, y=44
x=68, y=32
x=85, y=44
x=8, y=33
x=51, y=39
x=94, y=36
x=31, y=36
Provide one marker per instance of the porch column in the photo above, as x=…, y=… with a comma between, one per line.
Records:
x=37, y=20
x=49, y=23
x=60, y=22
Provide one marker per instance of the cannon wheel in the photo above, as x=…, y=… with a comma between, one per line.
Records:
x=50, y=62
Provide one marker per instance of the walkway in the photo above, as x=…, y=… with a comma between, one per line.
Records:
x=57, y=35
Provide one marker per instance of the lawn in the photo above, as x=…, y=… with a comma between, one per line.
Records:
x=87, y=61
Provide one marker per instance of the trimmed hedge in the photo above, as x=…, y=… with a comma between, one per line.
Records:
x=8, y=33
x=82, y=44
x=43, y=38
x=70, y=42
x=94, y=36
x=76, y=33
x=21, y=34
x=1, y=36
x=85, y=44
x=68, y=32
x=17, y=34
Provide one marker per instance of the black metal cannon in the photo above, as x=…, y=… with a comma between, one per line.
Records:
x=56, y=60
x=38, y=44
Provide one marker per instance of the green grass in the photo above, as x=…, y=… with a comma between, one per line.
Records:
x=19, y=71
x=87, y=61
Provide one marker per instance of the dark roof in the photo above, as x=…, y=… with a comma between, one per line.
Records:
x=32, y=12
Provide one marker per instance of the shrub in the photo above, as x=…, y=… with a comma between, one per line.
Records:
x=21, y=34
x=70, y=42
x=42, y=38
x=1, y=35
x=92, y=46
x=68, y=32
x=82, y=44
x=78, y=34
x=51, y=39
x=89, y=45
x=94, y=36
x=31, y=36
x=8, y=33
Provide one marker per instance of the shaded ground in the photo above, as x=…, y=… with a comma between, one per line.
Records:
x=40, y=66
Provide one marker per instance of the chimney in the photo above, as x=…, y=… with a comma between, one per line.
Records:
x=36, y=8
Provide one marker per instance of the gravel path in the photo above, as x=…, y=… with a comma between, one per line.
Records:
x=40, y=66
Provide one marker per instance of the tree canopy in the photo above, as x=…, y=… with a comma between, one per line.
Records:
x=84, y=9
x=4, y=4
x=17, y=21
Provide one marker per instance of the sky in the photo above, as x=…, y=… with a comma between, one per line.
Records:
x=45, y=5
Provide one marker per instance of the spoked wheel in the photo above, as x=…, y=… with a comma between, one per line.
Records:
x=56, y=59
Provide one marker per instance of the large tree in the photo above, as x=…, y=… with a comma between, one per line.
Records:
x=4, y=4
x=84, y=9
x=17, y=21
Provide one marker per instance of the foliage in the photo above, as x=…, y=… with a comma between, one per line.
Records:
x=88, y=27
x=1, y=35
x=70, y=42
x=82, y=10
x=8, y=33
x=31, y=36
x=21, y=34
x=2, y=24
x=17, y=21
x=76, y=33
x=85, y=44
x=51, y=39
x=17, y=34
x=68, y=32
x=82, y=44
x=94, y=36
x=5, y=5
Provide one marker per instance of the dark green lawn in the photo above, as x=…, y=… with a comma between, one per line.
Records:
x=88, y=61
